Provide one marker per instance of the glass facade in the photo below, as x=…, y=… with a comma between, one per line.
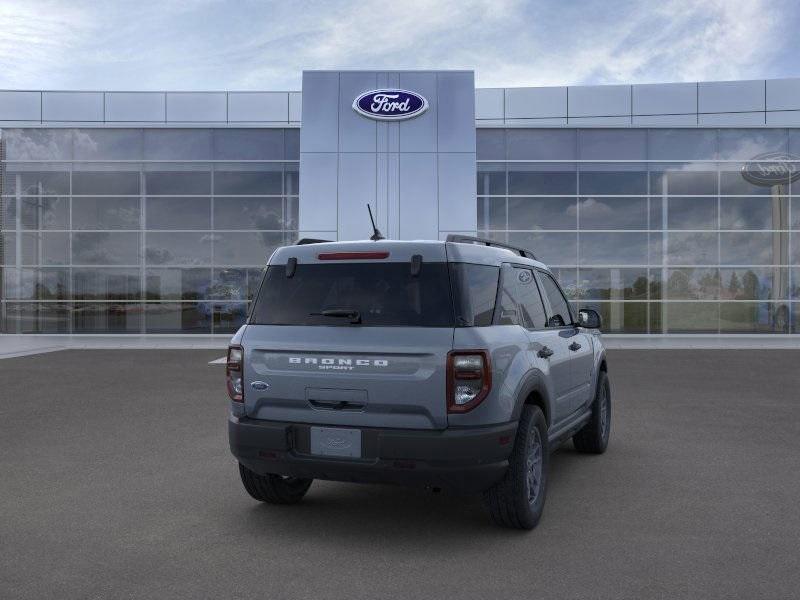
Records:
x=140, y=230
x=656, y=229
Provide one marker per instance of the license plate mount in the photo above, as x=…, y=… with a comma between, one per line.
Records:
x=336, y=441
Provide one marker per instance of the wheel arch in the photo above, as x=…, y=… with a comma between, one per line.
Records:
x=533, y=391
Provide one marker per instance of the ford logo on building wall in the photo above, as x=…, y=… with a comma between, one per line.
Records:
x=390, y=105
x=772, y=168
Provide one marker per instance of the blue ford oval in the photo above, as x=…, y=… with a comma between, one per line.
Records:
x=390, y=105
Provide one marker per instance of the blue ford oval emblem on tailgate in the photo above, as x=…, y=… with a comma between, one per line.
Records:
x=259, y=385
x=390, y=105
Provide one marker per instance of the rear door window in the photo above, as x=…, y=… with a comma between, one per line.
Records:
x=383, y=294
x=520, y=301
x=560, y=314
x=474, y=293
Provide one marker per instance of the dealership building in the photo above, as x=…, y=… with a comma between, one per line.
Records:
x=668, y=208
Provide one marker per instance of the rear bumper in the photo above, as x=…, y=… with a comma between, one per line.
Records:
x=459, y=459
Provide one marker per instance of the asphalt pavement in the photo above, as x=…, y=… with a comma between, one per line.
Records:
x=116, y=482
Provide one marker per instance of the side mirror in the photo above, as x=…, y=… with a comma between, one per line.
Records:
x=589, y=318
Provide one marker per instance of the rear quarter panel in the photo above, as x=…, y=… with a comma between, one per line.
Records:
x=507, y=346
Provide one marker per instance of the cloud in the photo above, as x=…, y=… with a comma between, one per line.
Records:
x=213, y=44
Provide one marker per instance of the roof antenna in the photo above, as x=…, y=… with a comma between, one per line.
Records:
x=376, y=235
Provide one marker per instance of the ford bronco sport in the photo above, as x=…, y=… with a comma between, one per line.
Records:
x=453, y=364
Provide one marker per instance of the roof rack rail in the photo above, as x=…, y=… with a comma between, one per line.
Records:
x=304, y=241
x=467, y=239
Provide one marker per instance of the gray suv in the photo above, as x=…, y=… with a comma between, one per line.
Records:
x=453, y=364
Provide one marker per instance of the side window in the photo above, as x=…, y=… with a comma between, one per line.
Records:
x=520, y=302
x=559, y=307
x=530, y=301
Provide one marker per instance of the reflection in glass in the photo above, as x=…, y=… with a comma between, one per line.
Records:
x=523, y=182
x=241, y=182
x=753, y=248
x=754, y=212
x=245, y=248
x=491, y=144
x=178, y=248
x=101, y=317
x=102, y=248
x=492, y=213
x=541, y=213
x=690, y=317
x=111, y=183
x=178, y=144
x=90, y=212
x=46, y=248
x=613, y=284
x=629, y=183
x=183, y=317
x=178, y=183
x=754, y=283
x=178, y=284
x=677, y=182
x=691, y=213
x=553, y=249
x=44, y=212
x=754, y=317
x=620, y=317
x=491, y=179
x=33, y=317
x=248, y=213
x=43, y=183
x=692, y=248
x=693, y=284
x=178, y=213
x=612, y=213
x=248, y=144
x=613, y=249
x=97, y=283
x=108, y=144
x=228, y=317
x=541, y=144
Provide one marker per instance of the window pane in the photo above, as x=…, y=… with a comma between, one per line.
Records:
x=692, y=248
x=474, y=289
x=178, y=284
x=690, y=317
x=178, y=213
x=177, y=144
x=542, y=213
x=52, y=284
x=612, y=144
x=98, y=183
x=44, y=183
x=613, y=249
x=248, y=144
x=51, y=248
x=492, y=213
x=746, y=144
x=491, y=144
x=105, y=248
x=541, y=144
x=100, y=317
x=550, y=248
x=732, y=182
x=32, y=317
x=108, y=144
x=682, y=144
x=754, y=213
x=754, y=317
x=248, y=213
x=229, y=284
x=8, y=248
x=248, y=182
x=184, y=317
x=612, y=213
x=612, y=182
x=691, y=213
x=491, y=179
x=674, y=181
x=105, y=213
x=178, y=183
x=524, y=180
x=620, y=317
x=245, y=248
x=38, y=144
x=613, y=284
x=178, y=248
x=559, y=314
x=229, y=317
x=753, y=283
x=44, y=212
x=291, y=141
x=758, y=248
x=693, y=284
x=106, y=284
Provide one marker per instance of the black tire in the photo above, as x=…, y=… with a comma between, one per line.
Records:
x=510, y=502
x=593, y=438
x=274, y=489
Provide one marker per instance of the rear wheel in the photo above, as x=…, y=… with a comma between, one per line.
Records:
x=593, y=438
x=274, y=489
x=518, y=499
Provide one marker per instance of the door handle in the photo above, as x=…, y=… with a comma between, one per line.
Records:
x=545, y=352
x=574, y=346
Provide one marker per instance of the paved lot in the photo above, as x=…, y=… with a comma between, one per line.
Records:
x=116, y=482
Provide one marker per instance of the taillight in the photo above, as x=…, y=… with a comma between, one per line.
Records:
x=469, y=379
x=233, y=373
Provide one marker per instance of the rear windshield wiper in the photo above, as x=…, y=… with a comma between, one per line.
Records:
x=342, y=313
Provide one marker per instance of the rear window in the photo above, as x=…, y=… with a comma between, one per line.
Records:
x=384, y=294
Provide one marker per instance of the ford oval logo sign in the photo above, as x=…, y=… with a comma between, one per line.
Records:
x=772, y=168
x=390, y=105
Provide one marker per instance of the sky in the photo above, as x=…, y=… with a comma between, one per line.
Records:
x=265, y=45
